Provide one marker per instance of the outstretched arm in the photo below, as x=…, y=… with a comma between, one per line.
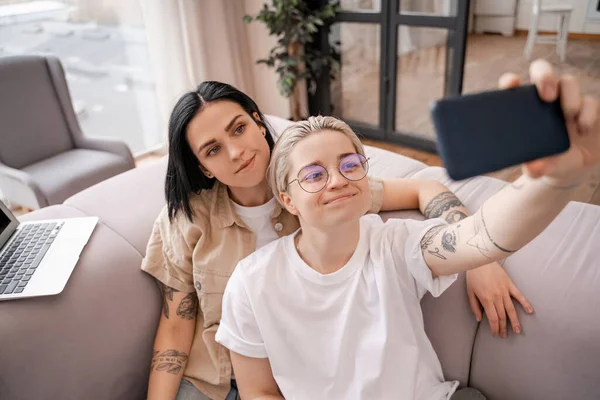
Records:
x=514, y=216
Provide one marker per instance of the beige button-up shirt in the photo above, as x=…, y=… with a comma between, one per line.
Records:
x=200, y=256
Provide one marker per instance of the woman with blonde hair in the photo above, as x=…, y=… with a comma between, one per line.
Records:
x=333, y=310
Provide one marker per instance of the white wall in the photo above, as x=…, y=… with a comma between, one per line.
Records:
x=579, y=22
x=265, y=93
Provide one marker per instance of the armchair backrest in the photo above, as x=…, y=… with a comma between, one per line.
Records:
x=35, y=120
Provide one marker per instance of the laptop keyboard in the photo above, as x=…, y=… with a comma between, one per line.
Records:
x=20, y=260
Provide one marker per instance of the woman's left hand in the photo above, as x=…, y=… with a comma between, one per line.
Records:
x=490, y=287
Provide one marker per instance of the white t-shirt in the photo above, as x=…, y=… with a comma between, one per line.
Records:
x=258, y=220
x=354, y=334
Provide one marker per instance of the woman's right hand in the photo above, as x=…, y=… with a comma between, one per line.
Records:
x=173, y=342
x=582, y=116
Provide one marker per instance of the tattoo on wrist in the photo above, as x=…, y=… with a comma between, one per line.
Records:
x=440, y=204
x=188, y=307
x=171, y=361
x=167, y=295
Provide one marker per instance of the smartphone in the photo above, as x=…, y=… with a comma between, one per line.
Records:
x=488, y=131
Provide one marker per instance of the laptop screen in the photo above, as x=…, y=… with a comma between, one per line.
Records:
x=4, y=221
x=8, y=224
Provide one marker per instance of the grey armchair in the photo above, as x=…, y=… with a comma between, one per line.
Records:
x=44, y=157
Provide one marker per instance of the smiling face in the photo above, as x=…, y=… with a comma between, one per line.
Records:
x=341, y=200
x=229, y=144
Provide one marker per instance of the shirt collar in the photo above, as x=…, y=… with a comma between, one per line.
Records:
x=223, y=205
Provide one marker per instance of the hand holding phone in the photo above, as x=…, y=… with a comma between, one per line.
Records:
x=489, y=131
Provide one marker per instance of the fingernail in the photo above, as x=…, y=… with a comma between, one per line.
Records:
x=518, y=329
x=529, y=310
x=503, y=334
x=478, y=319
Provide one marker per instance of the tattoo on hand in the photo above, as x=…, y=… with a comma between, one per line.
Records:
x=440, y=204
x=188, y=307
x=167, y=294
x=455, y=216
x=171, y=361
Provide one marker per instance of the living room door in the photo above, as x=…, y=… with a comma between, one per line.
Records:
x=396, y=57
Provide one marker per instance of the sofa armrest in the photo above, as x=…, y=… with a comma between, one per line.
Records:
x=22, y=189
x=108, y=145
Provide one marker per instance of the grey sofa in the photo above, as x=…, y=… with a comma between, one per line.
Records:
x=44, y=157
x=94, y=340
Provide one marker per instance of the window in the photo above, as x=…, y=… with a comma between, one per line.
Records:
x=102, y=46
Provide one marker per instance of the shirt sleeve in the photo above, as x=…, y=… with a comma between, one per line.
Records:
x=168, y=256
x=411, y=232
x=238, y=330
x=376, y=187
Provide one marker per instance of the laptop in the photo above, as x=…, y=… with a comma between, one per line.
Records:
x=37, y=258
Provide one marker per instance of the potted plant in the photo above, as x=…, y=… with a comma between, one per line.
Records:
x=296, y=25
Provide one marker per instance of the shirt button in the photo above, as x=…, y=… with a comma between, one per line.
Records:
x=198, y=285
x=278, y=227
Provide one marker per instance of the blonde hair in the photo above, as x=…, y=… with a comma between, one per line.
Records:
x=280, y=165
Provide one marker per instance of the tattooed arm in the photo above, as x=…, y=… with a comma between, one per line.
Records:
x=172, y=343
x=432, y=198
x=518, y=213
x=506, y=222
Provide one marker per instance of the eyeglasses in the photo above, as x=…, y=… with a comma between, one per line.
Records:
x=314, y=178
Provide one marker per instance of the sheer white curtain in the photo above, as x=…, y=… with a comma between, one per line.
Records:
x=192, y=41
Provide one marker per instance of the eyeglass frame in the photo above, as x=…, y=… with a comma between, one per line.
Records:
x=366, y=162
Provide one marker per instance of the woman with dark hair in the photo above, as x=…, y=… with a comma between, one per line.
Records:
x=220, y=209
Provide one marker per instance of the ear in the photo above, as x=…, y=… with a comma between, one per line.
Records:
x=262, y=126
x=288, y=203
x=206, y=172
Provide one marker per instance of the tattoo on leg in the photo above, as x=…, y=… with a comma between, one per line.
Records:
x=167, y=294
x=449, y=241
x=455, y=216
x=440, y=204
x=170, y=361
x=188, y=307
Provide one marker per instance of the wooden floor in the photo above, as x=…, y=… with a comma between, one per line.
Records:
x=420, y=78
x=588, y=193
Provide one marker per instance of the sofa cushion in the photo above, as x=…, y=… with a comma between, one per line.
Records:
x=558, y=354
x=127, y=203
x=94, y=340
x=67, y=173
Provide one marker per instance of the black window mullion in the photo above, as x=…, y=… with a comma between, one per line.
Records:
x=389, y=69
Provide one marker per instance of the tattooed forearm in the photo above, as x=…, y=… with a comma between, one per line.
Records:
x=188, y=307
x=167, y=294
x=171, y=361
x=455, y=216
x=440, y=204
